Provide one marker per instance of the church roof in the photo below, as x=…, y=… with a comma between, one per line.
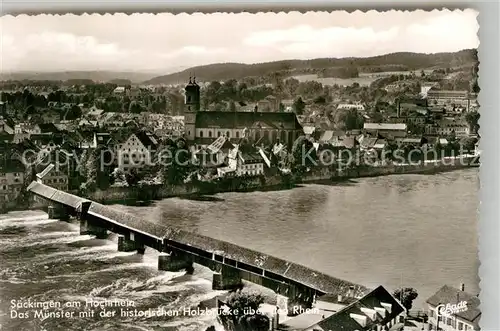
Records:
x=240, y=120
x=192, y=83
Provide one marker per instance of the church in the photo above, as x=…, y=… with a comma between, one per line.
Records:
x=204, y=127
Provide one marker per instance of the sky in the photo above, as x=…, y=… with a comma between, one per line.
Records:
x=152, y=43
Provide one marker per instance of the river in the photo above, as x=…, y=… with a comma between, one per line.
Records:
x=412, y=230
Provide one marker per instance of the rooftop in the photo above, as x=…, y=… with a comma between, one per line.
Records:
x=384, y=126
x=448, y=294
x=241, y=120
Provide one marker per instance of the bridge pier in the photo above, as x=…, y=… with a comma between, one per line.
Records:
x=128, y=245
x=57, y=212
x=227, y=278
x=92, y=229
x=175, y=261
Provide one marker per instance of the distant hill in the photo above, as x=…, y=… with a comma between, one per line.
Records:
x=96, y=76
x=388, y=62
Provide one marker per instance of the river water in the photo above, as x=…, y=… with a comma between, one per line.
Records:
x=412, y=230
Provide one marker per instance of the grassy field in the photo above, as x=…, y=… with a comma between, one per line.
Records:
x=364, y=79
x=339, y=81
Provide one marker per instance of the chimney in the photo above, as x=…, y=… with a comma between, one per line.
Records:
x=462, y=287
x=351, y=291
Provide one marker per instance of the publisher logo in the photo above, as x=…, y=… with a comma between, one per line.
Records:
x=451, y=309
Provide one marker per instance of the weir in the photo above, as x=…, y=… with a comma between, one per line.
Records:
x=180, y=249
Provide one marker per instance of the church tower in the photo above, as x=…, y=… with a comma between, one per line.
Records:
x=192, y=106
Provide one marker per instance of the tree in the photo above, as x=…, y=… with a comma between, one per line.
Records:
x=475, y=86
x=422, y=73
x=472, y=119
x=406, y=296
x=291, y=86
x=135, y=107
x=232, y=106
x=350, y=120
x=303, y=154
x=133, y=177
x=244, y=307
x=299, y=106
x=74, y=113
x=178, y=165
x=281, y=107
x=320, y=100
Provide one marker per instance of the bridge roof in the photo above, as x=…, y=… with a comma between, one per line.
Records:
x=127, y=220
x=295, y=272
x=51, y=193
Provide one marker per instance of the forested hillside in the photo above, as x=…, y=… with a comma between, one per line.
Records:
x=323, y=67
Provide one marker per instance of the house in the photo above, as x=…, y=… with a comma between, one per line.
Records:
x=119, y=90
x=250, y=164
x=111, y=121
x=243, y=162
x=6, y=138
x=269, y=104
x=443, y=97
x=214, y=154
x=51, y=176
x=309, y=130
x=11, y=179
x=28, y=128
x=94, y=112
x=377, y=310
x=47, y=128
x=288, y=105
x=431, y=128
x=137, y=151
x=6, y=126
x=453, y=309
x=386, y=129
x=411, y=141
x=85, y=123
x=328, y=135
x=448, y=126
x=356, y=106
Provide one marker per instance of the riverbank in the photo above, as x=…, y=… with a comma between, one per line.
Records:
x=273, y=182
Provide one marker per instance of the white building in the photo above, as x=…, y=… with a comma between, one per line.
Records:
x=119, y=90
x=137, y=151
x=463, y=310
x=54, y=177
x=451, y=126
x=243, y=164
x=356, y=106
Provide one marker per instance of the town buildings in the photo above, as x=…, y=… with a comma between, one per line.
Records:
x=463, y=319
